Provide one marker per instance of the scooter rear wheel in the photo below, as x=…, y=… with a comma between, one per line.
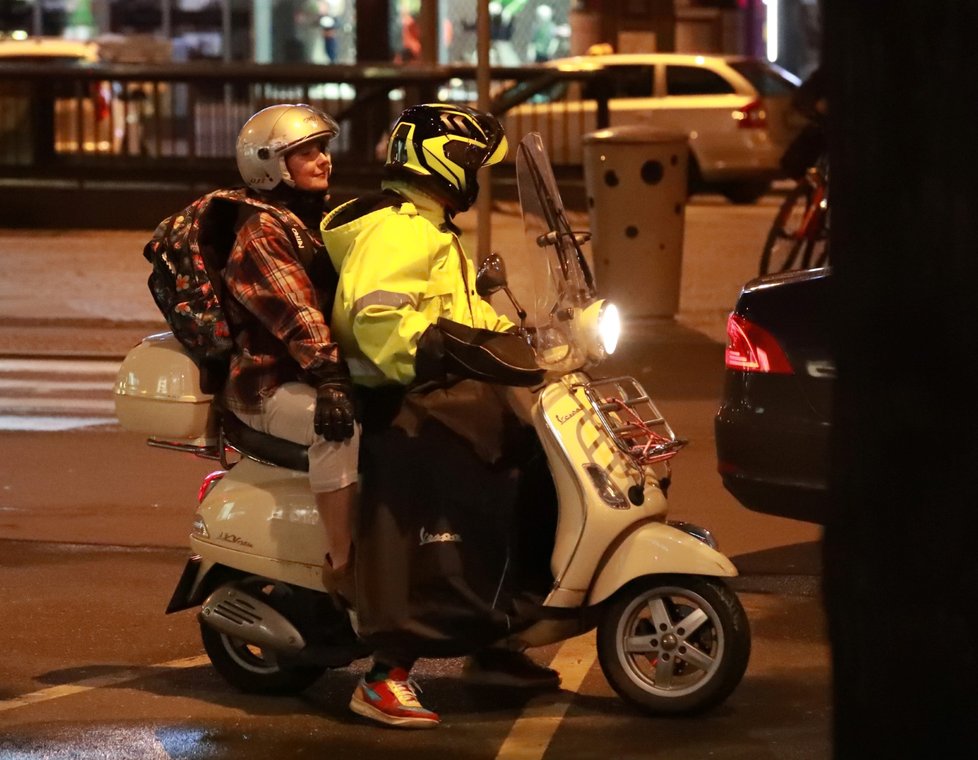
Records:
x=255, y=670
x=674, y=644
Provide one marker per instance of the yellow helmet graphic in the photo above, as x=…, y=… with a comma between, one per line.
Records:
x=440, y=147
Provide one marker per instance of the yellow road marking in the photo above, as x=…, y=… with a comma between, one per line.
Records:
x=531, y=734
x=98, y=682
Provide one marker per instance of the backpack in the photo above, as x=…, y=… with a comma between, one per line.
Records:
x=188, y=250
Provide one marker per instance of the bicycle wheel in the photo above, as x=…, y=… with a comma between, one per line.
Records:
x=815, y=252
x=819, y=256
x=784, y=245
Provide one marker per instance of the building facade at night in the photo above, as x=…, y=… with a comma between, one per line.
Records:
x=443, y=31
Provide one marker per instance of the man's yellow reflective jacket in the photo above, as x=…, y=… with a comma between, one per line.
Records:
x=400, y=269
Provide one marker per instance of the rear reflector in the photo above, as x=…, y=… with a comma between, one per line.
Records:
x=751, y=348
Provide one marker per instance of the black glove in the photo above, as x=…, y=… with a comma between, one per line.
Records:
x=451, y=348
x=334, y=417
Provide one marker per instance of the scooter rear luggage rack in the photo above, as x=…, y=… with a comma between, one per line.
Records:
x=209, y=450
x=628, y=415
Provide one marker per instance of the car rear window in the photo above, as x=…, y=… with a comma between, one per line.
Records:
x=516, y=94
x=693, y=80
x=629, y=81
x=767, y=80
x=624, y=82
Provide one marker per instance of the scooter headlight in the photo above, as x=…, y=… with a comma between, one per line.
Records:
x=601, y=326
x=609, y=327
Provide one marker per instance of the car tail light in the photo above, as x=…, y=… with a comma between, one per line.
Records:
x=751, y=348
x=751, y=116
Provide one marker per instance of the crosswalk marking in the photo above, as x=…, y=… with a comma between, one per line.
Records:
x=61, y=366
x=530, y=736
x=99, y=682
x=48, y=386
x=31, y=404
x=56, y=394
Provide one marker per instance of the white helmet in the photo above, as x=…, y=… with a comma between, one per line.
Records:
x=271, y=133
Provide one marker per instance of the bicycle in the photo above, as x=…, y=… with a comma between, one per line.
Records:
x=799, y=236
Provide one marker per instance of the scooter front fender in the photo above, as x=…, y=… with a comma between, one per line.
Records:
x=655, y=548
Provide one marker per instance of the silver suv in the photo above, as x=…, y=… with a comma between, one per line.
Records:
x=736, y=110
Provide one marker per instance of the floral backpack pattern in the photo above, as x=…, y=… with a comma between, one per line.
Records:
x=188, y=250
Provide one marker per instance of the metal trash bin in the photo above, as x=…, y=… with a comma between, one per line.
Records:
x=636, y=184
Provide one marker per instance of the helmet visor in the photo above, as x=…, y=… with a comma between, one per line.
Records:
x=321, y=142
x=301, y=125
x=321, y=138
x=472, y=156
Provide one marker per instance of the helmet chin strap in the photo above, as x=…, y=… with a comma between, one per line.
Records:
x=284, y=171
x=450, y=225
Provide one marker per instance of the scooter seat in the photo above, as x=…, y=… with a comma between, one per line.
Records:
x=262, y=446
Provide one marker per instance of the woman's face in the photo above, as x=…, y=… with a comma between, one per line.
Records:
x=310, y=166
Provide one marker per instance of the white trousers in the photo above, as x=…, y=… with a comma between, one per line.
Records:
x=289, y=413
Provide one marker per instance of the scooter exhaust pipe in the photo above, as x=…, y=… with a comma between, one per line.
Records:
x=234, y=613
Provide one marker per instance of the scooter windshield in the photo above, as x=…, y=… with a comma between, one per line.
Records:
x=555, y=282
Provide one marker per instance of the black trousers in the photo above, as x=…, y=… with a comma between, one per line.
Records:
x=434, y=529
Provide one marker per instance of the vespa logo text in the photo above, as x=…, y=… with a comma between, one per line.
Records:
x=562, y=418
x=436, y=538
x=233, y=539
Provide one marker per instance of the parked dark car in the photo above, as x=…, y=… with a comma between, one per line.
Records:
x=773, y=425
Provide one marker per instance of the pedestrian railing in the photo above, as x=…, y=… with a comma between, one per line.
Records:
x=179, y=122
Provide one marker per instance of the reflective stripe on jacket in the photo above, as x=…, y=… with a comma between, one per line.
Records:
x=400, y=270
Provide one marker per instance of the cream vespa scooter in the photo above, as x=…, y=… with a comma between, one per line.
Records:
x=672, y=637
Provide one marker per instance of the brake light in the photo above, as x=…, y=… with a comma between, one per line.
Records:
x=751, y=116
x=751, y=348
x=209, y=482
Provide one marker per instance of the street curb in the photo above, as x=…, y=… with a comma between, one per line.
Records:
x=780, y=585
x=82, y=323
x=69, y=337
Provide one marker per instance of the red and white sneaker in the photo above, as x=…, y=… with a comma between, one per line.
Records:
x=392, y=701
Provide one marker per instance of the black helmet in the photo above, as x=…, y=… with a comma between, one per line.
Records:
x=440, y=147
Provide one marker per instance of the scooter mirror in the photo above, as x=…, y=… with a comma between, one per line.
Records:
x=491, y=276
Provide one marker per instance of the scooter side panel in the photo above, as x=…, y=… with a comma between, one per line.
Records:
x=571, y=515
x=587, y=525
x=656, y=548
x=295, y=573
x=257, y=515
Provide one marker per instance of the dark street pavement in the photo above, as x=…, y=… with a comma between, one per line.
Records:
x=81, y=516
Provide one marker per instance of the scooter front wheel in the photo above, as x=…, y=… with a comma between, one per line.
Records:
x=252, y=669
x=674, y=644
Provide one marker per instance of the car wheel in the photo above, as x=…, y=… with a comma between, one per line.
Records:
x=745, y=192
x=674, y=644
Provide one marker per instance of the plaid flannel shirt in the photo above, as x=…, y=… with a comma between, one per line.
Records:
x=276, y=312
